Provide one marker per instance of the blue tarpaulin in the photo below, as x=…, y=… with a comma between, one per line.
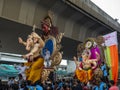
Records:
x=61, y=72
x=8, y=70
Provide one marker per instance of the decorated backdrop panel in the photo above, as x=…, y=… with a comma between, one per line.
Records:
x=111, y=53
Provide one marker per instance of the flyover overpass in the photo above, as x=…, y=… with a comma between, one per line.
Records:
x=78, y=19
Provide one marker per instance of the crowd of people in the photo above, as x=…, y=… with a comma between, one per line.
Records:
x=59, y=84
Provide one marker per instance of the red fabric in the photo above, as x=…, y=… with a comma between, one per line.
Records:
x=114, y=88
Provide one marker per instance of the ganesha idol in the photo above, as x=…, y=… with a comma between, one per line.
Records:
x=89, y=59
x=36, y=46
x=84, y=68
x=93, y=47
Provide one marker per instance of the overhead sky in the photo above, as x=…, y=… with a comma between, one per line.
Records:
x=111, y=7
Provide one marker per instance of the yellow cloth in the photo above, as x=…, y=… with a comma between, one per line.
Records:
x=84, y=75
x=27, y=71
x=34, y=73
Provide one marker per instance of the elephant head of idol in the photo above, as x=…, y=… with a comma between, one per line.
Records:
x=29, y=43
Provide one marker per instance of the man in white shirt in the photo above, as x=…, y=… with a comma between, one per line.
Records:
x=47, y=57
x=22, y=69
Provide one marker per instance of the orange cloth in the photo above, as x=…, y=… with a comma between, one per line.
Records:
x=114, y=62
x=84, y=75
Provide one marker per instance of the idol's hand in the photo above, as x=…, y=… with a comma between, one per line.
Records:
x=74, y=58
x=24, y=56
x=20, y=40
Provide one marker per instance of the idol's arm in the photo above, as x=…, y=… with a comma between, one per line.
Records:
x=21, y=41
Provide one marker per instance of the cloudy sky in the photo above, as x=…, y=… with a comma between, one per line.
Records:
x=111, y=7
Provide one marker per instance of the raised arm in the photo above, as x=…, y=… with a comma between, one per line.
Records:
x=75, y=60
x=77, y=63
x=21, y=41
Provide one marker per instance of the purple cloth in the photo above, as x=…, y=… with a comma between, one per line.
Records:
x=93, y=55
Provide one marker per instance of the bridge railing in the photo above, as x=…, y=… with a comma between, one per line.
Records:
x=8, y=57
